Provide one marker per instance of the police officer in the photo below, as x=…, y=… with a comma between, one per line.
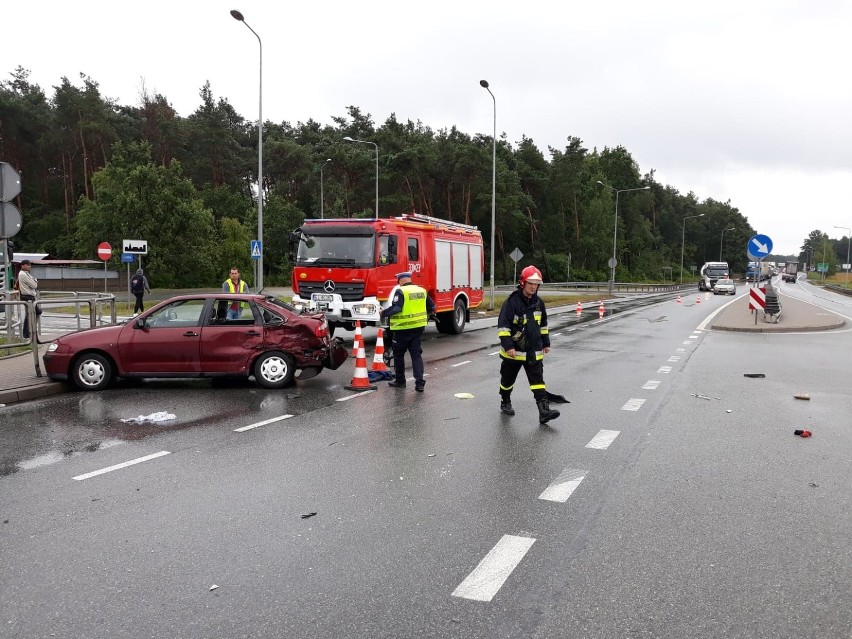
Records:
x=524, y=339
x=408, y=314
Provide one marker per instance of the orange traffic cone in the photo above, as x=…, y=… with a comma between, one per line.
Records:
x=358, y=339
x=360, y=381
x=579, y=308
x=698, y=299
x=678, y=300
x=379, y=355
x=601, y=310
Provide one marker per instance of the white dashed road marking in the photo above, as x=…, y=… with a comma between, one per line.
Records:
x=680, y=350
x=603, y=439
x=651, y=384
x=634, y=403
x=357, y=394
x=687, y=342
x=673, y=358
x=494, y=569
x=562, y=487
x=467, y=361
x=132, y=462
x=263, y=423
x=665, y=370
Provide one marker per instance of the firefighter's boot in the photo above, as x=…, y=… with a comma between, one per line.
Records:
x=545, y=414
x=506, y=404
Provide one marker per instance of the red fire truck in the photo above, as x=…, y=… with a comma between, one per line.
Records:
x=347, y=267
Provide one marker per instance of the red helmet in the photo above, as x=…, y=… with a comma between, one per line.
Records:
x=531, y=274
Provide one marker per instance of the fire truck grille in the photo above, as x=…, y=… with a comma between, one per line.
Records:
x=350, y=292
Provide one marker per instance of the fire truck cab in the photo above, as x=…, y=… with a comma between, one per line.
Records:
x=347, y=267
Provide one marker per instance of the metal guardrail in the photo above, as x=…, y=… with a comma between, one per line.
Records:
x=623, y=287
x=14, y=311
x=839, y=289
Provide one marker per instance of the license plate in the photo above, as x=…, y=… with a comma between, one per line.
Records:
x=320, y=297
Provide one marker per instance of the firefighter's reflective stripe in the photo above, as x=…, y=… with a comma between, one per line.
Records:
x=521, y=356
x=413, y=314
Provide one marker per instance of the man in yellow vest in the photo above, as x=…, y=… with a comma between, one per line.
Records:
x=408, y=314
x=234, y=285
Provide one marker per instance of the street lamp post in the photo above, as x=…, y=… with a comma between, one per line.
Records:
x=484, y=85
x=683, y=240
x=722, y=241
x=848, y=240
x=613, y=262
x=239, y=16
x=322, y=194
x=348, y=139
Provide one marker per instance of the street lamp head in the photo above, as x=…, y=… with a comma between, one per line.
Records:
x=237, y=15
x=348, y=139
x=483, y=84
x=646, y=188
x=601, y=183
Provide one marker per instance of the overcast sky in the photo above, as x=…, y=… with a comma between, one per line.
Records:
x=747, y=101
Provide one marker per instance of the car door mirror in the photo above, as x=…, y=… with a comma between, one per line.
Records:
x=140, y=323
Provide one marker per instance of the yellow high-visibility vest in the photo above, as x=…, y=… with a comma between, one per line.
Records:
x=413, y=314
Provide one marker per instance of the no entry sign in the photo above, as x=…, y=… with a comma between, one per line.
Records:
x=104, y=251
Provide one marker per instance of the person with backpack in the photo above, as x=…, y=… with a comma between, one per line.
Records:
x=138, y=286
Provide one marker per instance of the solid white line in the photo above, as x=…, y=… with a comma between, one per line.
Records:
x=494, y=569
x=132, y=462
x=562, y=487
x=358, y=394
x=665, y=369
x=634, y=403
x=651, y=384
x=467, y=361
x=603, y=439
x=263, y=423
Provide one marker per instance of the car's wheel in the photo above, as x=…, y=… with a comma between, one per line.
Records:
x=91, y=372
x=274, y=370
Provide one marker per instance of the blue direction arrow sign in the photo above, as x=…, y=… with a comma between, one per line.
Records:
x=759, y=246
x=256, y=249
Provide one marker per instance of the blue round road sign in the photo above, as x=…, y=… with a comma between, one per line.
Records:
x=759, y=246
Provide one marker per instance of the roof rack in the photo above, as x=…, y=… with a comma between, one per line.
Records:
x=428, y=219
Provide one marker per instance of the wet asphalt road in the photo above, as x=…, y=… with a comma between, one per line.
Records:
x=692, y=522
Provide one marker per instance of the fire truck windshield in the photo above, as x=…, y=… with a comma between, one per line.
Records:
x=345, y=250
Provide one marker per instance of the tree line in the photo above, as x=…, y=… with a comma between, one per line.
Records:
x=94, y=170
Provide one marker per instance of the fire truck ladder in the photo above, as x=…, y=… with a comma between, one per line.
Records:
x=428, y=219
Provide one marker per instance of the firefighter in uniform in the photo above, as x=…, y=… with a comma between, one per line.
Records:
x=524, y=339
x=408, y=314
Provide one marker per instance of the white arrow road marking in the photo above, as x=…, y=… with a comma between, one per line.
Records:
x=132, y=462
x=651, y=384
x=263, y=423
x=634, y=403
x=494, y=569
x=562, y=487
x=603, y=439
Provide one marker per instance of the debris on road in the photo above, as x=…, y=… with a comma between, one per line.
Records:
x=308, y=515
x=754, y=375
x=802, y=396
x=463, y=395
x=213, y=587
x=700, y=396
x=729, y=411
x=161, y=416
x=802, y=433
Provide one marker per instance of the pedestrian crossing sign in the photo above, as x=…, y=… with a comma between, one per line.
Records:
x=256, y=249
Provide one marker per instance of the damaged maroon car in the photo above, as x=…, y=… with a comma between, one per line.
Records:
x=205, y=335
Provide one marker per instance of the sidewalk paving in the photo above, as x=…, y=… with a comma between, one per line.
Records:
x=19, y=382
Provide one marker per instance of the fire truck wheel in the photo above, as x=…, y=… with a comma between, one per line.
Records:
x=453, y=323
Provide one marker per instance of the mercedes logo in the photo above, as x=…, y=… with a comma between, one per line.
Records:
x=328, y=286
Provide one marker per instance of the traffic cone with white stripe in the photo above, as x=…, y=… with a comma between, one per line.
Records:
x=361, y=380
x=698, y=299
x=601, y=310
x=358, y=339
x=678, y=300
x=379, y=355
x=579, y=308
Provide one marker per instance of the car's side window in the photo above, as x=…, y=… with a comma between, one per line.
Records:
x=179, y=314
x=228, y=312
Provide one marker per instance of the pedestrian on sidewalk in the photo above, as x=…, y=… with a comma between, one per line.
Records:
x=28, y=289
x=138, y=286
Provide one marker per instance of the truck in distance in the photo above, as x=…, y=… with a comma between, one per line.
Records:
x=710, y=273
x=791, y=272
